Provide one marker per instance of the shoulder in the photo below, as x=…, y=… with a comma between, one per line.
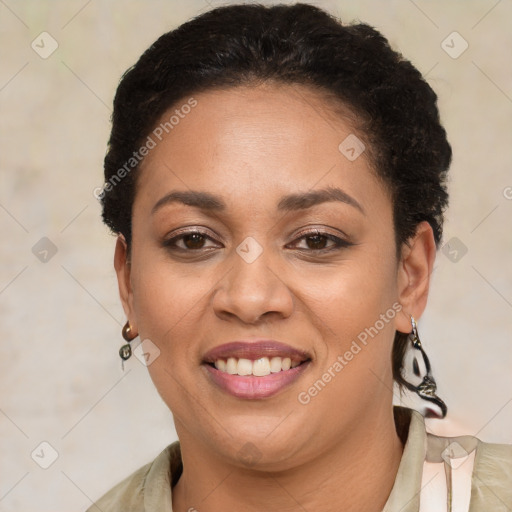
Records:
x=492, y=475
x=126, y=495
x=133, y=492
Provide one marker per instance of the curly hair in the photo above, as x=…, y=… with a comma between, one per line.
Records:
x=395, y=108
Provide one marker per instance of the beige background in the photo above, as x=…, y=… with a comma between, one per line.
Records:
x=61, y=380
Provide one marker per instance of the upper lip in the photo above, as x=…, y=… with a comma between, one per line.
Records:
x=254, y=349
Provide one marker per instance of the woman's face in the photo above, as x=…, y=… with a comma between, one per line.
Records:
x=264, y=268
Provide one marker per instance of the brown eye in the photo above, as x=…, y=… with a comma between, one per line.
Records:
x=188, y=241
x=193, y=240
x=317, y=241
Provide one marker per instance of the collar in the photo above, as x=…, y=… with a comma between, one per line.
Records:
x=405, y=494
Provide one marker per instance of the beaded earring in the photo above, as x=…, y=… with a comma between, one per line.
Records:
x=125, y=351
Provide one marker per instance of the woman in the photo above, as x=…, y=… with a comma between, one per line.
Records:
x=276, y=181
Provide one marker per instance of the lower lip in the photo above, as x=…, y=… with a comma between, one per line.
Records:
x=251, y=387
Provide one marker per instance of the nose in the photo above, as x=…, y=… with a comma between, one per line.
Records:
x=252, y=290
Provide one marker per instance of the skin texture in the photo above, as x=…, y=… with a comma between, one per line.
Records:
x=251, y=146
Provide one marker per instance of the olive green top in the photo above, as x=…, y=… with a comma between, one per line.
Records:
x=436, y=474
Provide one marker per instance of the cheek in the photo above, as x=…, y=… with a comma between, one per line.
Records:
x=354, y=311
x=167, y=300
x=168, y=306
x=353, y=295
x=355, y=307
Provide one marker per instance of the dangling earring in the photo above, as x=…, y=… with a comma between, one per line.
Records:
x=126, y=350
x=426, y=386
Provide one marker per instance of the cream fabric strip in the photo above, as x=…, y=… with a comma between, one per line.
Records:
x=447, y=474
x=404, y=496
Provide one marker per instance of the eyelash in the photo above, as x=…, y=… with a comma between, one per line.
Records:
x=339, y=242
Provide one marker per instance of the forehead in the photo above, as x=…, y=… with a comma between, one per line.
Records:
x=256, y=143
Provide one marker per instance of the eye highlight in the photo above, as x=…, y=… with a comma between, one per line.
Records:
x=193, y=241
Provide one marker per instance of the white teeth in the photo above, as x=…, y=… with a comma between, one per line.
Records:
x=259, y=367
x=220, y=364
x=231, y=366
x=244, y=367
x=275, y=364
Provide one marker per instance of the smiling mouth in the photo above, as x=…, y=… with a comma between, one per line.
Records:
x=260, y=367
x=261, y=382
x=255, y=369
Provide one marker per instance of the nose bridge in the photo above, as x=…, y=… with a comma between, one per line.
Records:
x=253, y=267
x=253, y=287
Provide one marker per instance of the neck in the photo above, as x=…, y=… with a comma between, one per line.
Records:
x=356, y=474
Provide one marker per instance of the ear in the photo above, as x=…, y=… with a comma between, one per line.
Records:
x=413, y=278
x=123, y=270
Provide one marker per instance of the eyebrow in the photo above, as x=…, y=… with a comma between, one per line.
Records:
x=292, y=202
